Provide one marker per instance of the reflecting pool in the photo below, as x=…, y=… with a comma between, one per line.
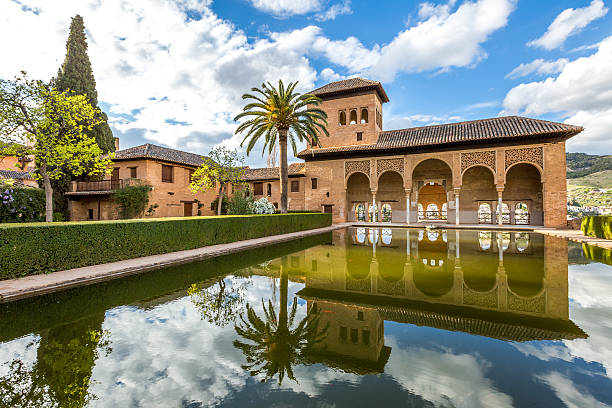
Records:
x=359, y=317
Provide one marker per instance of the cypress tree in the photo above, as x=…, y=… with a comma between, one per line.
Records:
x=77, y=76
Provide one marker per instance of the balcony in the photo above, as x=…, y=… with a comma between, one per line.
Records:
x=102, y=187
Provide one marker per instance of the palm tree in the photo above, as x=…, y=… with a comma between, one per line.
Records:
x=285, y=115
x=275, y=345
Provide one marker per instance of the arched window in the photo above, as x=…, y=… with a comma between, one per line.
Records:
x=342, y=118
x=360, y=235
x=360, y=214
x=505, y=214
x=521, y=213
x=373, y=213
x=444, y=214
x=387, y=236
x=432, y=213
x=269, y=188
x=521, y=240
x=421, y=235
x=484, y=213
x=485, y=239
x=421, y=214
x=505, y=240
x=432, y=236
x=386, y=212
x=353, y=119
x=364, y=115
x=373, y=235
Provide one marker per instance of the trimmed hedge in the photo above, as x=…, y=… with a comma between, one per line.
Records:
x=599, y=226
x=597, y=254
x=31, y=249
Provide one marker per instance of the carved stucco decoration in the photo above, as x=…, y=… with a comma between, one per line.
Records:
x=383, y=165
x=362, y=166
x=486, y=158
x=533, y=304
x=487, y=299
x=533, y=155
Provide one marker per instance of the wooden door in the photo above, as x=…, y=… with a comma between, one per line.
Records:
x=327, y=209
x=115, y=178
x=187, y=209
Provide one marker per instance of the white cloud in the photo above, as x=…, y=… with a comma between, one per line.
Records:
x=569, y=22
x=581, y=93
x=287, y=7
x=443, y=39
x=539, y=67
x=330, y=75
x=335, y=11
x=567, y=392
x=178, y=80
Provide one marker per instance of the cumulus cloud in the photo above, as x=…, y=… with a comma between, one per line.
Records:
x=335, y=11
x=538, y=67
x=582, y=93
x=569, y=22
x=156, y=69
x=287, y=7
x=567, y=392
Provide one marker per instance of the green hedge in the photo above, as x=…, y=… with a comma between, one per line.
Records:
x=597, y=254
x=30, y=249
x=599, y=226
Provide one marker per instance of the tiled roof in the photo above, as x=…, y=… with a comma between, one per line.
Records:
x=272, y=173
x=483, y=131
x=350, y=85
x=16, y=175
x=151, y=151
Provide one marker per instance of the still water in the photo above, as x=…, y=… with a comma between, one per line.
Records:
x=355, y=318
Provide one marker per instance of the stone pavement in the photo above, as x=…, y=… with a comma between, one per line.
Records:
x=29, y=286
x=578, y=236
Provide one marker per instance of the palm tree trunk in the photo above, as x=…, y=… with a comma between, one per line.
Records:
x=283, y=289
x=220, y=202
x=48, y=193
x=284, y=180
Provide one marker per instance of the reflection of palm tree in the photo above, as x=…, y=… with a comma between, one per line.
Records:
x=275, y=344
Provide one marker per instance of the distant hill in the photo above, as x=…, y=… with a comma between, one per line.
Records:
x=582, y=164
x=589, y=180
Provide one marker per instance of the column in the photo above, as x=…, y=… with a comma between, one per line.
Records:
x=500, y=247
x=408, y=191
x=457, y=243
x=500, y=191
x=457, y=191
x=375, y=213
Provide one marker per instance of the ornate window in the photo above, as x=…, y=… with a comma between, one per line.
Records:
x=505, y=214
x=364, y=115
x=433, y=212
x=484, y=213
x=485, y=240
x=360, y=212
x=342, y=118
x=387, y=236
x=521, y=240
x=353, y=118
x=521, y=213
x=360, y=235
x=444, y=214
x=386, y=212
x=373, y=235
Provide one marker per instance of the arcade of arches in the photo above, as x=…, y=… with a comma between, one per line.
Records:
x=433, y=188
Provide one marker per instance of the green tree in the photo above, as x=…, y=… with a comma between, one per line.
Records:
x=222, y=166
x=284, y=115
x=76, y=75
x=51, y=125
x=132, y=200
x=275, y=344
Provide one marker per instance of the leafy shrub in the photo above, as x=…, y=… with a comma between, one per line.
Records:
x=240, y=203
x=263, y=206
x=599, y=226
x=224, y=206
x=21, y=204
x=132, y=200
x=30, y=249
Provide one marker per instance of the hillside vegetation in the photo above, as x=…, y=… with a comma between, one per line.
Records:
x=589, y=180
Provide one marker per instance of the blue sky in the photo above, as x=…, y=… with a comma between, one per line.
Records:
x=172, y=72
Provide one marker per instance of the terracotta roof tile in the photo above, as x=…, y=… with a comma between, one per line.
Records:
x=16, y=175
x=151, y=151
x=483, y=131
x=350, y=85
x=272, y=173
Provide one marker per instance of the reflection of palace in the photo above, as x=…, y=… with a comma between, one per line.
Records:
x=508, y=285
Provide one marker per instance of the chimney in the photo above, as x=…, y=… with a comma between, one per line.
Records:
x=116, y=143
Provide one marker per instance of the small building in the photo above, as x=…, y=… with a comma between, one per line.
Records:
x=264, y=182
x=20, y=170
x=167, y=171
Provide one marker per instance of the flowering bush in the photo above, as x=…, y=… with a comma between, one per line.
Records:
x=21, y=204
x=263, y=206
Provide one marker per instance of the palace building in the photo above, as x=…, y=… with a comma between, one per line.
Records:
x=459, y=173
